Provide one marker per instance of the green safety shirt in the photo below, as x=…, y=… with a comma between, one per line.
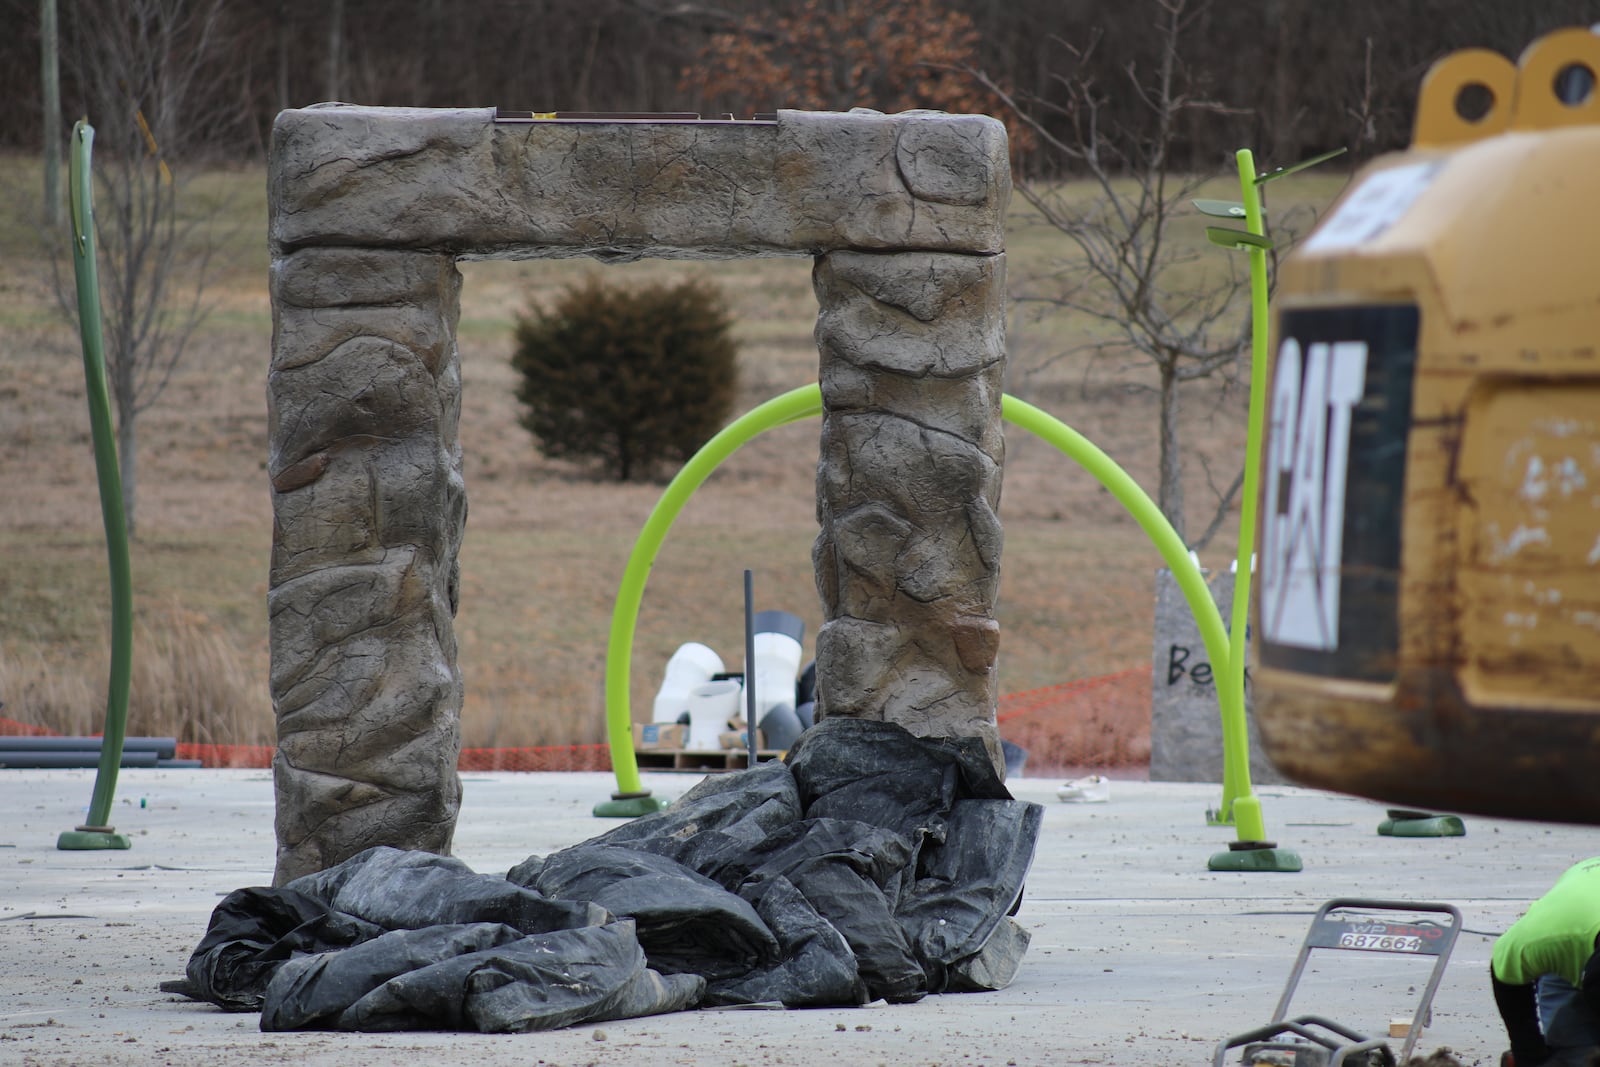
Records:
x=1557, y=935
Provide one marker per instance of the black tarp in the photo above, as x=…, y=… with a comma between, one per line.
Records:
x=871, y=864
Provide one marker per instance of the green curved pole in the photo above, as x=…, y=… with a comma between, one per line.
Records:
x=631, y=798
x=806, y=402
x=1144, y=511
x=96, y=832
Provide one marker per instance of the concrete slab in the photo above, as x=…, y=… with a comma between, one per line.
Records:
x=1139, y=956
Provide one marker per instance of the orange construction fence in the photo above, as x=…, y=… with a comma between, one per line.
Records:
x=1092, y=724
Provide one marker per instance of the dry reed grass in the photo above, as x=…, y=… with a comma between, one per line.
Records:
x=190, y=680
x=38, y=693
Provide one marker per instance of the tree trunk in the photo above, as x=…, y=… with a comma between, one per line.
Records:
x=1285, y=83
x=581, y=93
x=335, y=48
x=1170, y=497
x=284, y=44
x=50, y=77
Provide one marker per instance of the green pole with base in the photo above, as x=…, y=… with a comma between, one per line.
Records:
x=96, y=832
x=1238, y=802
x=1239, y=806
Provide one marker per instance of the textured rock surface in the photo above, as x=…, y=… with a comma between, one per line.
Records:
x=369, y=508
x=456, y=180
x=908, y=556
x=370, y=208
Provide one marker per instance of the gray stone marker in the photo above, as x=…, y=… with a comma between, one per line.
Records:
x=1185, y=721
x=369, y=210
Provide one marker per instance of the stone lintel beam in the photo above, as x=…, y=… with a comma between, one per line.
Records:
x=456, y=181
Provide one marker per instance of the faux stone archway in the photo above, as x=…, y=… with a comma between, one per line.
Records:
x=369, y=210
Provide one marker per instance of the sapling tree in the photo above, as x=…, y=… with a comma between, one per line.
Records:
x=147, y=77
x=1139, y=284
x=634, y=378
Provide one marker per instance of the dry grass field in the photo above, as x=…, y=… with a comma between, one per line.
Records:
x=545, y=546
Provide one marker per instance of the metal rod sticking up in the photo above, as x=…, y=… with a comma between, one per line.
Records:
x=750, y=666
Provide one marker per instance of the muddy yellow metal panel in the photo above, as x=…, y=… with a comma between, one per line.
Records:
x=1428, y=621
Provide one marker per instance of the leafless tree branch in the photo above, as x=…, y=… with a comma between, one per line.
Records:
x=144, y=68
x=1125, y=277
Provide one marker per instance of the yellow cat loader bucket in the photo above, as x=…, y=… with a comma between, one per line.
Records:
x=1428, y=620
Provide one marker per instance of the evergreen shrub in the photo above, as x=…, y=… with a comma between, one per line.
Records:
x=636, y=378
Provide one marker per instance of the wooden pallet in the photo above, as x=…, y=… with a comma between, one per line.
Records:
x=700, y=762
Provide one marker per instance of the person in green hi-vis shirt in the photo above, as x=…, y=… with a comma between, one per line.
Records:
x=1546, y=974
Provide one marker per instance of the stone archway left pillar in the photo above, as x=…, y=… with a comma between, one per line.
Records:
x=369, y=507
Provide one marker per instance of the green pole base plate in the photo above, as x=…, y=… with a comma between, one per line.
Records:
x=1255, y=856
x=629, y=806
x=89, y=838
x=1403, y=823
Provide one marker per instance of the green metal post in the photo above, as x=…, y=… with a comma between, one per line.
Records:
x=1238, y=802
x=96, y=832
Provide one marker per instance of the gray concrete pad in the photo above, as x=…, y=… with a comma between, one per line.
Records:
x=1139, y=956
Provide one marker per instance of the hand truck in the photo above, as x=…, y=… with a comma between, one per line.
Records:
x=1352, y=924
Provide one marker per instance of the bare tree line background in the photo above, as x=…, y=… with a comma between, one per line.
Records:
x=1142, y=98
x=1299, y=76
x=1139, y=97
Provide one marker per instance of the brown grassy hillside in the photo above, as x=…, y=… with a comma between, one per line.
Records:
x=545, y=546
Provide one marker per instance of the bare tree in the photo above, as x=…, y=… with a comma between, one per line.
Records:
x=50, y=83
x=147, y=73
x=1130, y=277
x=333, y=85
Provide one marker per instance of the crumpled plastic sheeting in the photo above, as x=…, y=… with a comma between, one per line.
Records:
x=972, y=844
x=872, y=864
x=961, y=896
x=255, y=931
x=817, y=968
x=410, y=890
x=687, y=924
x=392, y=940
x=712, y=827
x=475, y=976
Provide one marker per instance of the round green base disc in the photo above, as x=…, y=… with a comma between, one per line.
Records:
x=88, y=840
x=1423, y=826
x=629, y=807
x=1256, y=856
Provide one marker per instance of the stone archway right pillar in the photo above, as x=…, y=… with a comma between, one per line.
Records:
x=912, y=348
